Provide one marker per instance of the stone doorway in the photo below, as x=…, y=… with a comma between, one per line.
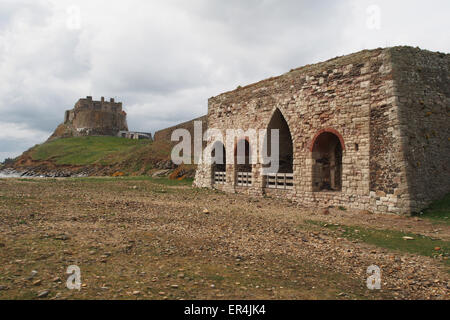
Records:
x=327, y=163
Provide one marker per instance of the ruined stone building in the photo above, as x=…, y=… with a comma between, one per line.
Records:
x=89, y=117
x=368, y=131
x=134, y=135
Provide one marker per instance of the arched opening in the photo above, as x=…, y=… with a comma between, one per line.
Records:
x=327, y=166
x=219, y=162
x=285, y=142
x=243, y=160
x=283, y=178
x=243, y=163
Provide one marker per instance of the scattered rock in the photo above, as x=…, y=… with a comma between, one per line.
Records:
x=160, y=173
x=62, y=237
x=37, y=283
x=206, y=211
x=437, y=249
x=136, y=293
x=43, y=294
x=408, y=238
x=32, y=275
x=3, y=288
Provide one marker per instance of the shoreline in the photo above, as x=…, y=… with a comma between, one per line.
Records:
x=11, y=173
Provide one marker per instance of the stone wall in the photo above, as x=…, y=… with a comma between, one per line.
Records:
x=422, y=88
x=166, y=134
x=353, y=97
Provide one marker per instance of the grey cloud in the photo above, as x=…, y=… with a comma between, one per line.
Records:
x=164, y=59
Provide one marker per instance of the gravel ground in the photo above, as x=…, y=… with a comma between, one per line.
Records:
x=140, y=239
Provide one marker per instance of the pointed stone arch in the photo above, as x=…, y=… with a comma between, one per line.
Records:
x=218, y=163
x=286, y=145
x=219, y=157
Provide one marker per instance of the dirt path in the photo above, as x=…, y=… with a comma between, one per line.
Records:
x=146, y=240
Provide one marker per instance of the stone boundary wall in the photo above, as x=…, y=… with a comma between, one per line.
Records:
x=166, y=134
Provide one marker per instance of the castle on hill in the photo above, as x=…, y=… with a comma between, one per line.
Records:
x=96, y=118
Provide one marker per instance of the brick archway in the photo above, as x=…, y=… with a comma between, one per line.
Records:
x=329, y=130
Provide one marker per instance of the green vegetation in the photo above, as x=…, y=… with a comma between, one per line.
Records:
x=439, y=211
x=160, y=181
x=87, y=150
x=128, y=156
x=391, y=239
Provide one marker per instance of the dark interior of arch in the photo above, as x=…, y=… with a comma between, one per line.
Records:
x=327, y=167
x=243, y=163
x=219, y=160
x=286, y=148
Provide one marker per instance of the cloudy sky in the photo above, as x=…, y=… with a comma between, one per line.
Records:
x=164, y=59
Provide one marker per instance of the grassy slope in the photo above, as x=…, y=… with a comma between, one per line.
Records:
x=87, y=150
x=129, y=155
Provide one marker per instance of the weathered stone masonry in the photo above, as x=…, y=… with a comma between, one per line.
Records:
x=369, y=130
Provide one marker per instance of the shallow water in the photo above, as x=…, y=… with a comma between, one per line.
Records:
x=9, y=175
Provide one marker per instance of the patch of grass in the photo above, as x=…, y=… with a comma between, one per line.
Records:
x=391, y=239
x=160, y=181
x=38, y=180
x=169, y=182
x=439, y=211
x=108, y=179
